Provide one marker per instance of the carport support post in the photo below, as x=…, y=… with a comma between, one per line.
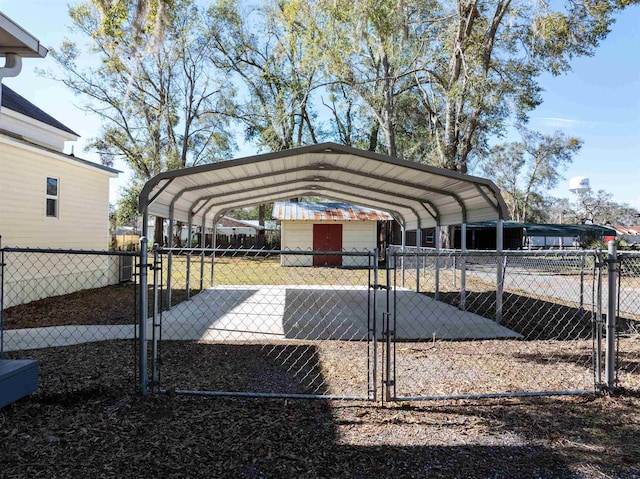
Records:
x=170, y=258
x=437, y=271
x=610, y=356
x=203, y=238
x=143, y=298
x=499, y=269
x=463, y=266
x=215, y=244
x=156, y=315
x=188, y=280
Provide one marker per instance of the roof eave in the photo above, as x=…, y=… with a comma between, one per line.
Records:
x=18, y=41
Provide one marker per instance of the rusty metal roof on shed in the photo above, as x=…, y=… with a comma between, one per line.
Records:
x=417, y=195
x=307, y=211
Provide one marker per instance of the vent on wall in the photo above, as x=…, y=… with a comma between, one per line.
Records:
x=126, y=269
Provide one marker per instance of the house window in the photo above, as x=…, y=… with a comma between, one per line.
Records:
x=430, y=238
x=52, y=197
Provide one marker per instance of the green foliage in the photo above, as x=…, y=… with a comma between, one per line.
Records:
x=431, y=81
x=276, y=71
x=127, y=207
x=441, y=78
x=162, y=105
x=251, y=213
x=599, y=207
x=524, y=170
x=621, y=245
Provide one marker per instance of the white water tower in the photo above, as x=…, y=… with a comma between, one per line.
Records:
x=579, y=184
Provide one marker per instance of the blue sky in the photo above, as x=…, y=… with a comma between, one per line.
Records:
x=598, y=102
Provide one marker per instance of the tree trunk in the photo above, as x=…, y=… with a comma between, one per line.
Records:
x=158, y=233
x=261, y=239
x=373, y=137
x=446, y=237
x=388, y=113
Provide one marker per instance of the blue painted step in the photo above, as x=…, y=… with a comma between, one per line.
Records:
x=18, y=378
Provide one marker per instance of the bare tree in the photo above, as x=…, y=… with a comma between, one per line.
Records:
x=162, y=103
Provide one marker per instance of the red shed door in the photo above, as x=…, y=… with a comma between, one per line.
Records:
x=327, y=237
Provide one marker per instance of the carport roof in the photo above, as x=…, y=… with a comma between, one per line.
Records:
x=417, y=195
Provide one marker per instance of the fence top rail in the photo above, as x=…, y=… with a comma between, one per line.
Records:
x=457, y=252
x=628, y=255
x=70, y=251
x=254, y=251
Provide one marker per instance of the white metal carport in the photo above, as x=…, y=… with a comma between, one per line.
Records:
x=417, y=195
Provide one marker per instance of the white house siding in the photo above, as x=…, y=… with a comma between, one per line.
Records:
x=83, y=205
x=82, y=223
x=356, y=236
x=33, y=276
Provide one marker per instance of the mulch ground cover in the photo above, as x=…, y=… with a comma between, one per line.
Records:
x=108, y=305
x=87, y=420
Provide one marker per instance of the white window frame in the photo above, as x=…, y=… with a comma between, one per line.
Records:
x=55, y=197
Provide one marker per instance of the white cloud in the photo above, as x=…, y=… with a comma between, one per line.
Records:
x=557, y=122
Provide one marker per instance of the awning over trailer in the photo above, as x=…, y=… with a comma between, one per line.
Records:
x=417, y=195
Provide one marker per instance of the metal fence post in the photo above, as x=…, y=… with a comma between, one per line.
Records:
x=437, y=265
x=610, y=355
x=373, y=387
x=155, y=324
x=499, y=269
x=582, y=264
x=454, y=266
x=404, y=250
x=463, y=267
x=387, y=333
x=143, y=297
x=598, y=264
x=418, y=246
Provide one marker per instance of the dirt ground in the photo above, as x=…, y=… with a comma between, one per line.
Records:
x=87, y=420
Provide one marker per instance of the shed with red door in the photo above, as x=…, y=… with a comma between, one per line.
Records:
x=328, y=227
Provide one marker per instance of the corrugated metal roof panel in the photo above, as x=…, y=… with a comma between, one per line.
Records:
x=288, y=210
x=417, y=195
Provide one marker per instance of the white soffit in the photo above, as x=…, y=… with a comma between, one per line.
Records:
x=417, y=195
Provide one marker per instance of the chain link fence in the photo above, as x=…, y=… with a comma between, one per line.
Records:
x=495, y=323
x=264, y=322
x=58, y=303
x=257, y=322
x=628, y=321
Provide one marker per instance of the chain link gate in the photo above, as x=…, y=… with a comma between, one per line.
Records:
x=269, y=324
x=628, y=322
x=264, y=323
x=453, y=331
